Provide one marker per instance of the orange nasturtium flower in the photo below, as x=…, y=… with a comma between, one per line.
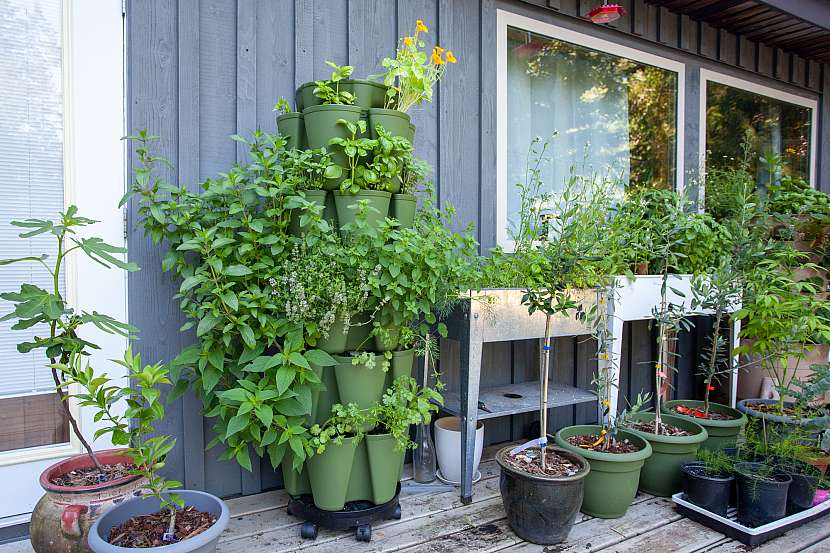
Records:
x=436, y=57
x=407, y=40
x=450, y=58
x=420, y=27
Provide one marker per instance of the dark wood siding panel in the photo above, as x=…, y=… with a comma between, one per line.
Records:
x=274, y=59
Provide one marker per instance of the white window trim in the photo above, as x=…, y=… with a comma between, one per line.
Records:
x=707, y=75
x=505, y=19
x=94, y=180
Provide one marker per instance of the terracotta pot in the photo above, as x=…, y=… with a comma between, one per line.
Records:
x=62, y=518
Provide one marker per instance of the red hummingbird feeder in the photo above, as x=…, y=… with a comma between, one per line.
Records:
x=606, y=13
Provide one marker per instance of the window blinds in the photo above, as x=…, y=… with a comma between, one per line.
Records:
x=31, y=166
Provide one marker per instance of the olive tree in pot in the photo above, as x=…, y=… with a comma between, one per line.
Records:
x=180, y=522
x=55, y=328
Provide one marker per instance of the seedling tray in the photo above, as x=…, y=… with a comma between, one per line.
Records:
x=729, y=525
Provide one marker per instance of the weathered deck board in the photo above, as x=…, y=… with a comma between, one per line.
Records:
x=794, y=541
x=681, y=536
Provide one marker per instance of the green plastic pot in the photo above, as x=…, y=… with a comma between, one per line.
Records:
x=388, y=343
x=722, y=433
x=328, y=474
x=296, y=226
x=411, y=135
x=404, y=207
x=359, y=384
x=292, y=127
x=368, y=94
x=661, y=474
x=358, y=338
x=321, y=125
x=305, y=98
x=337, y=338
x=295, y=483
x=401, y=364
x=394, y=121
x=384, y=466
x=612, y=483
x=346, y=204
x=360, y=483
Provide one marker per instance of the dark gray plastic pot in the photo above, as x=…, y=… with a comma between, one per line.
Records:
x=775, y=425
x=542, y=509
x=202, y=543
x=710, y=492
x=760, y=500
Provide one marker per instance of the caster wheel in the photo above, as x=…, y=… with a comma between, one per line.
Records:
x=289, y=511
x=396, y=514
x=363, y=533
x=309, y=531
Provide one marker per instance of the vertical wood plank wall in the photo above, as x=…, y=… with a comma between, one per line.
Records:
x=201, y=70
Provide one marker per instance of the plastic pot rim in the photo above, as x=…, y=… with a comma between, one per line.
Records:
x=332, y=107
x=589, y=429
x=699, y=437
x=741, y=420
x=585, y=467
x=685, y=466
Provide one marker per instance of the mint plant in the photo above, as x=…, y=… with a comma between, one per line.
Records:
x=329, y=90
x=48, y=311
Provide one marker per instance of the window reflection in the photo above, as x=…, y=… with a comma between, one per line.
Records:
x=612, y=114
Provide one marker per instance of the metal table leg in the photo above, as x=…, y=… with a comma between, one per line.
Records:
x=471, y=348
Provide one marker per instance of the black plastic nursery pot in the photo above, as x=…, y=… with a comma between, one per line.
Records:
x=722, y=433
x=368, y=94
x=200, y=543
x=404, y=208
x=710, y=492
x=347, y=207
x=542, y=509
x=661, y=472
x=291, y=126
x=394, y=121
x=761, y=499
x=803, y=488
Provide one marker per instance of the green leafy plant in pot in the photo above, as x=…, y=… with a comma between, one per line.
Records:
x=181, y=520
x=290, y=124
x=402, y=405
x=52, y=326
x=404, y=202
x=309, y=174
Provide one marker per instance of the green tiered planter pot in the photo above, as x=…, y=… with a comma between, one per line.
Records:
x=368, y=94
x=329, y=472
x=295, y=226
x=394, y=121
x=358, y=339
x=401, y=364
x=359, y=384
x=385, y=465
x=338, y=337
x=389, y=343
x=321, y=125
x=291, y=126
x=611, y=485
x=722, y=433
x=661, y=474
x=305, y=98
x=346, y=204
x=411, y=135
x=404, y=207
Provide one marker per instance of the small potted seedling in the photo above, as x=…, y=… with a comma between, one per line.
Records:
x=334, y=104
x=290, y=124
x=181, y=521
x=707, y=482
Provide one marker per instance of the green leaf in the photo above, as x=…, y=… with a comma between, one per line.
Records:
x=320, y=358
x=206, y=324
x=298, y=359
x=285, y=376
x=247, y=336
x=236, y=424
x=265, y=414
x=244, y=458
x=237, y=271
x=263, y=363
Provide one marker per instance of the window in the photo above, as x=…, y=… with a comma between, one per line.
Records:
x=613, y=109
x=31, y=186
x=771, y=121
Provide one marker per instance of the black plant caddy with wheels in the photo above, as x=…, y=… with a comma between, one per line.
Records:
x=357, y=514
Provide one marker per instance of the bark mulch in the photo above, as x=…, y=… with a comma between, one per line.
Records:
x=528, y=461
x=665, y=429
x=89, y=476
x=616, y=446
x=148, y=530
x=701, y=414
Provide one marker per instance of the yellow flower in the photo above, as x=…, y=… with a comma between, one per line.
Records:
x=420, y=27
x=606, y=403
x=450, y=58
x=603, y=355
x=659, y=366
x=407, y=40
x=438, y=50
x=436, y=58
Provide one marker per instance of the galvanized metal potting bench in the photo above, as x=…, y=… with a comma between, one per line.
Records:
x=498, y=315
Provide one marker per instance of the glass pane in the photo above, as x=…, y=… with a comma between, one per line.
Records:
x=611, y=114
x=31, y=186
x=770, y=125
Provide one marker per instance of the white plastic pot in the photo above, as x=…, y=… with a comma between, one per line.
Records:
x=448, y=447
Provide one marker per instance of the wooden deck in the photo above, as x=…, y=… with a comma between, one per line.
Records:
x=437, y=522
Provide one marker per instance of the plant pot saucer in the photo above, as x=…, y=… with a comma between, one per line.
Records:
x=476, y=478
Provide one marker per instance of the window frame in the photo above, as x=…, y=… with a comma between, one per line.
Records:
x=505, y=19
x=707, y=75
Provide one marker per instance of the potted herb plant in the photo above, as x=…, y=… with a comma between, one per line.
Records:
x=102, y=478
x=309, y=174
x=177, y=521
x=708, y=481
x=404, y=203
x=332, y=446
x=322, y=120
x=290, y=124
x=402, y=405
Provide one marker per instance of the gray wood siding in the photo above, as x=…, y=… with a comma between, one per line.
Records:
x=201, y=70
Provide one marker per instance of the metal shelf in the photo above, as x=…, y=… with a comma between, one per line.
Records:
x=499, y=404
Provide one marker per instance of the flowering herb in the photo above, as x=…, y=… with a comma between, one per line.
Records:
x=411, y=75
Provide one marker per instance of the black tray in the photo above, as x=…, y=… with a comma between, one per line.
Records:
x=750, y=536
